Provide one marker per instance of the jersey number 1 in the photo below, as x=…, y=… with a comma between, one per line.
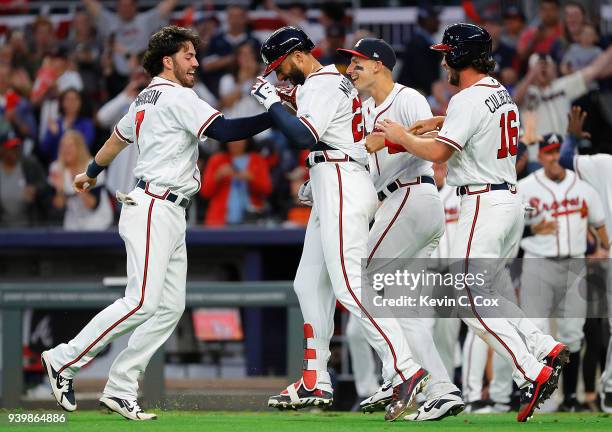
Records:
x=358, y=129
x=139, y=119
x=509, y=135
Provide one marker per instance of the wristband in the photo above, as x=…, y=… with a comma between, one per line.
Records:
x=93, y=169
x=393, y=147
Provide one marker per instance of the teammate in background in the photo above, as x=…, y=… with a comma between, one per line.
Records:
x=479, y=139
x=410, y=209
x=329, y=122
x=166, y=122
x=445, y=330
x=564, y=208
x=596, y=170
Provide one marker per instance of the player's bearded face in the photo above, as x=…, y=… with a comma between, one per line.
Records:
x=294, y=74
x=184, y=66
x=453, y=74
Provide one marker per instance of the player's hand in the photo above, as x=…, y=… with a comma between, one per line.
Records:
x=264, y=92
x=83, y=183
x=288, y=96
x=375, y=141
x=545, y=227
x=575, y=122
x=393, y=131
x=423, y=126
x=305, y=194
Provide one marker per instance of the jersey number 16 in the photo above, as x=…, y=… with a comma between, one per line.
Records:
x=509, y=135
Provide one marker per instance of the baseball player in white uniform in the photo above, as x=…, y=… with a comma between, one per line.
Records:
x=410, y=218
x=165, y=122
x=479, y=139
x=554, y=272
x=596, y=170
x=329, y=121
x=446, y=330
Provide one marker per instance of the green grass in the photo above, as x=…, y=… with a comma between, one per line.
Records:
x=203, y=421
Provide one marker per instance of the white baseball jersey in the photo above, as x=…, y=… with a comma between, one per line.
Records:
x=596, y=170
x=552, y=103
x=482, y=126
x=405, y=106
x=331, y=108
x=166, y=122
x=571, y=202
x=451, y=202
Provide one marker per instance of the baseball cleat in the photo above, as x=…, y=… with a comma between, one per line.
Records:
x=446, y=405
x=129, y=410
x=379, y=400
x=296, y=396
x=61, y=387
x=556, y=359
x=403, y=401
x=535, y=393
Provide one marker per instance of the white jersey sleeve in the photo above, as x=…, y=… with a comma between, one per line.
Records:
x=461, y=122
x=596, y=215
x=572, y=85
x=318, y=106
x=194, y=114
x=125, y=129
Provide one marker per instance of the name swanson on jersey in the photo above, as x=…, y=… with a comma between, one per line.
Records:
x=148, y=97
x=498, y=99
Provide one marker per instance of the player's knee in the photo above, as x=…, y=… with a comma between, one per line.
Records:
x=148, y=308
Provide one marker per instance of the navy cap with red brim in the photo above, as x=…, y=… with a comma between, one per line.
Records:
x=276, y=63
x=350, y=53
x=441, y=47
x=371, y=49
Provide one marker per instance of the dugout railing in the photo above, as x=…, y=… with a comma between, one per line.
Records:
x=16, y=297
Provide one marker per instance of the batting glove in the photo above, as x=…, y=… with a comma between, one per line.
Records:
x=264, y=92
x=305, y=194
x=288, y=96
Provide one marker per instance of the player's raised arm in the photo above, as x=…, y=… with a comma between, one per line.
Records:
x=576, y=118
x=226, y=130
x=297, y=132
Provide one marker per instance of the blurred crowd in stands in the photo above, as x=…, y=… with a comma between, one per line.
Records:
x=63, y=89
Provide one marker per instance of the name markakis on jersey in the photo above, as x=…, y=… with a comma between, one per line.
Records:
x=492, y=288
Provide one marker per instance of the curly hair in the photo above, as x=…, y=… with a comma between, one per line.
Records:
x=167, y=42
x=484, y=65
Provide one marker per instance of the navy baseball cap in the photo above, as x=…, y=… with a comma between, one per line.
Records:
x=550, y=142
x=372, y=49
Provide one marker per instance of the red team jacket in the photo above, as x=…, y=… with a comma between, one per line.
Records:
x=217, y=192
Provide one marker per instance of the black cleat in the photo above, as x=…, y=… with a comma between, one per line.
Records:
x=404, y=395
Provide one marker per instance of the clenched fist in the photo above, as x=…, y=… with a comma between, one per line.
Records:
x=83, y=183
